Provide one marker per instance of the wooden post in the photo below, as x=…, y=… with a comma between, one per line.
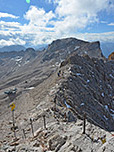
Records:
x=14, y=124
x=32, y=127
x=104, y=76
x=24, y=134
x=44, y=122
x=55, y=102
x=84, y=124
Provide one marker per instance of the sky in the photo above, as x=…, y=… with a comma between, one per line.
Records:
x=39, y=22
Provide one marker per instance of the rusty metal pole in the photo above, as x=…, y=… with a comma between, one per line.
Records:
x=84, y=124
x=55, y=102
x=24, y=134
x=14, y=124
x=32, y=127
x=44, y=122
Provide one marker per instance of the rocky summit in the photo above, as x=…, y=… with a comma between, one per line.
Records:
x=60, y=49
x=60, y=99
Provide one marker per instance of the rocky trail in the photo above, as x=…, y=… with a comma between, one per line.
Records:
x=63, y=127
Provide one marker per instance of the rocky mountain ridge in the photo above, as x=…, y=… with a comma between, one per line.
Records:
x=12, y=61
x=90, y=84
x=60, y=49
x=61, y=86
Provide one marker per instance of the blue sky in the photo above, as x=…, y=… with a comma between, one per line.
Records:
x=42, y=21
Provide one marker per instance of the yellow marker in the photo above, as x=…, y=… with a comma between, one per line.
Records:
x=103, y=140
x=12, y=106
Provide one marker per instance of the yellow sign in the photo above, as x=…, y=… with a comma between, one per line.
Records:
x=12, y=106
x=103, y=140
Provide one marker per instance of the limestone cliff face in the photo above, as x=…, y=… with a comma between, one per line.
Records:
x=88, y=87
x=61, y=48
x=111, y=56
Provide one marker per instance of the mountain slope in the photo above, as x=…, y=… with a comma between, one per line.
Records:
x=60, y=49
x=90, y=85
x=11, y=62
x=62, y=91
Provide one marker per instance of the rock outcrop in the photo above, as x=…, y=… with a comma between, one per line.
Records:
x=60, y=49
x=111, y=56
x=88, y=87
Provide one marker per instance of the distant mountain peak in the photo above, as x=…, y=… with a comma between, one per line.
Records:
x=61, y=48
x=12, y=48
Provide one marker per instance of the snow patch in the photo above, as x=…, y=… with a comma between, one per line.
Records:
x=31, y=88
x=78, y=74
x=69, y=68
x=77, y=47
x=82, y=104
x=18, y=59
x=88, y=81
x=112, y=110
x=18, y=64
x=109, y=86
x=26, y=62
x=111, y=76
x=106, y=107
x=68, y=106
x=85, y=52
x=57, y=64
x=102, y=94
x=70, y=80
x=105, y=117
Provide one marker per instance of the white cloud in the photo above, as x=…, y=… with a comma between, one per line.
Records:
x=103, y=22
x=10, y=26
x=103, y=37
x=110, y=7
x=38, y=28
x=76, y=14
x=5, y=15
x=12, y=41
x=38, y=16
x=5, y=43
x=69, y=17
x=111, y=24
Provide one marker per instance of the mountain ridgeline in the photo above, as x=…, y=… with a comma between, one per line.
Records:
x=12, y=48
x=63, y=82
x=60, y=49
